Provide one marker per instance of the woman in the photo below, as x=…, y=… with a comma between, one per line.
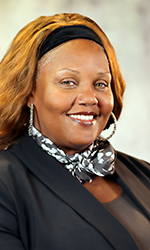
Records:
x=62, y=186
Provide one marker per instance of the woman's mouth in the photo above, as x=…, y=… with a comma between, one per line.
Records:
x=82, y=119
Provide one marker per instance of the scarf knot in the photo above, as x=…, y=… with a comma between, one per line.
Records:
x=97, y=159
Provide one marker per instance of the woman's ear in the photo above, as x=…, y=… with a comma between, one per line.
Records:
x=31, y=98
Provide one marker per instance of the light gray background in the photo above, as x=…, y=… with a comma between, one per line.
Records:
x=127, y=24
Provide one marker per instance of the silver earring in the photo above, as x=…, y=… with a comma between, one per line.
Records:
x=115, y=126
x=114, y=129
x=30, y=121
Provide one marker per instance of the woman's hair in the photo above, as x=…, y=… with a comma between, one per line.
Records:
x=18, y=71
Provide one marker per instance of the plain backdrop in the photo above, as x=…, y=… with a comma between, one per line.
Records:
x=127, y=24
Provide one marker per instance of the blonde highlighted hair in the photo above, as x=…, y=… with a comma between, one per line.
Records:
x=18, y=71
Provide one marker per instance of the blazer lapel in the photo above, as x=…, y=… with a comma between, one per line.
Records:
x=61, y=182
x=133, y=186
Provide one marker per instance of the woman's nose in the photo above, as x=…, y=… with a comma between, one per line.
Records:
x=87, y=97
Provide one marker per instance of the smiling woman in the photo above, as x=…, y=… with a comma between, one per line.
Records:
x=63, y=186
x=73, y=97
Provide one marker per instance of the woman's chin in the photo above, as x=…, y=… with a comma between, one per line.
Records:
x=78, y=146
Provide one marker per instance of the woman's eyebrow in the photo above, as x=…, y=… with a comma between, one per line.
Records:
x=104, y=73
x=68, y=69
x=101, y=72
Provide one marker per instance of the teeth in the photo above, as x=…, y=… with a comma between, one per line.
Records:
x=83, y=117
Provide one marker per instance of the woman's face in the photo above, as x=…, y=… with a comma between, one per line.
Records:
x=73, y=97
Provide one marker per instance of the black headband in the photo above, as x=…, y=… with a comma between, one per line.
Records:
x=67, y=33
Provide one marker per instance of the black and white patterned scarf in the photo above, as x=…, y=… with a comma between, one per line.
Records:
x=97, y=159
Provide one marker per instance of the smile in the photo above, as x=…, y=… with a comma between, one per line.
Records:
x=83, y=117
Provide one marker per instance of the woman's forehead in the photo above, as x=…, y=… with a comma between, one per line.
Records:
x=68, y=49
x=76, y=55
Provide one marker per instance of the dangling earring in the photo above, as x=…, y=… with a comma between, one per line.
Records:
x=30, y=121
x=115, y=126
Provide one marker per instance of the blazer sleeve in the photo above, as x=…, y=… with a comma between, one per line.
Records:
x=9, y=231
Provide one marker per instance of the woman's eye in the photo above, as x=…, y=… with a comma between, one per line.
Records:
x=68, y=83
x=101, y=85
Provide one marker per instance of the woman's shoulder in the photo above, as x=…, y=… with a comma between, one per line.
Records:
x=134, y=163
x=14, y=177
x=10, y=155
x=10, y=163
x=7, y=156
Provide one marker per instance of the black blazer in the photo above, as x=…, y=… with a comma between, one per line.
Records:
x=42, y=207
